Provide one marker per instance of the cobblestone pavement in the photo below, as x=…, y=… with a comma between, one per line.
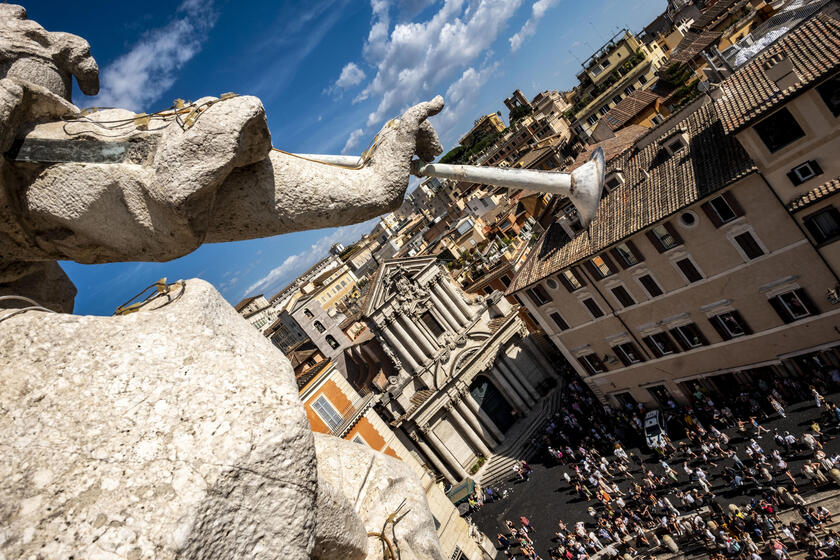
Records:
x=546, y=498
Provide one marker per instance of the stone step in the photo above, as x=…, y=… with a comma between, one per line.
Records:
x=518, y=446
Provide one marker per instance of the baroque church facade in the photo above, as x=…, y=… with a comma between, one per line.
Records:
x=465, y=367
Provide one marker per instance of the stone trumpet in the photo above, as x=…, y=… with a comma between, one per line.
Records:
x=583, y=186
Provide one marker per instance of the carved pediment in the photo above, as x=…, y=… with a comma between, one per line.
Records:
x=396, y=280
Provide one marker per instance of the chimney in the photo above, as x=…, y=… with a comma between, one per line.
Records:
x=779, y=70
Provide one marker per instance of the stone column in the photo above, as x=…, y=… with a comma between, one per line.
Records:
x=519, y=376
x=513, y=380
x=408, y=342
x=445, y=453
x=425, y=344
x=468, y=431
x=417, y=437
x=483, y=433
x=485, y=420
x=448, y=304
x=536, y=355
x=509, y=392
x=444, y=312
x=408, y=361
x=457, y=298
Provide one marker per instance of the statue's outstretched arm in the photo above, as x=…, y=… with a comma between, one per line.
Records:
x=285, y=193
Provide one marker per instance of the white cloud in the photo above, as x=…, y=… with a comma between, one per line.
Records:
x=538, y=10
x=145, y=72
x=353, y=140
x=351, y=75
x=416, y=57
x=461, y=93
x=296, y=264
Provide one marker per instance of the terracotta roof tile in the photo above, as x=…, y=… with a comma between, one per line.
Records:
x=814, y=50
x=629, y=107
x=815, y=195
x=615, y=146
x=692, y=44
x=711, y=161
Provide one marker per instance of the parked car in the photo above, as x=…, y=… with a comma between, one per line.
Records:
x=655, y=431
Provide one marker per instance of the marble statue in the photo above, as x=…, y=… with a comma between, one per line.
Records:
x=176, y=431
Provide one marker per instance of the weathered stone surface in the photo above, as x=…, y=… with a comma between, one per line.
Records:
x=376, y=484
x=339, y=533
x=175, y=432
x=29, y=51
x=43, y=282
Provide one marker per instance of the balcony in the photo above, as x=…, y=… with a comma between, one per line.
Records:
x=351, y=415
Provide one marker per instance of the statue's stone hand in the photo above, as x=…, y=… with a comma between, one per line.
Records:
x=399, y=141
x=49, y=59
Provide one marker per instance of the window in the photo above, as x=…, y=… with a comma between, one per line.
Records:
x=722, y=209
x=689, y=270
x=675, y=145
x=551, y=283
x=730, y=325
x=592, y=119
x=319, y=326
x=778, y=130
x=628, y=353
x=604, y=109
x=626, y=254
x=505, y=280
x=623, y=296
x=617, y=99
x=793, y=305
x=642, y=79
x=592, y=363
x=657, y=119
x=614, y=180
x=824, y=225
x=571, y=280
x=307, y=313
x=664, y=237
x=332, y=342
x=650, y=285
x=327, y=412
x=558, y=320
x=689, y=336
x=487, y=290
x=660, y=344
x=432, y=324
x=629, y=89
x=830, y=93
x=538, y=295
x=599, y=267
x=749, y=245
x=605, y=64
x=593, y=308
x=804, y=172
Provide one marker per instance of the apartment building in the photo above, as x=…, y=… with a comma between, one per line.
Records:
x=257, y=311
x=624, y=64
x=716, y=242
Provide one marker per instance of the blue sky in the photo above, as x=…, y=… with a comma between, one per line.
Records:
x=330, y=73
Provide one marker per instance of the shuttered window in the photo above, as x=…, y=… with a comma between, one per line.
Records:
x=722, y=209
x=558, y=320
x=689, y=336
x=730, y=325
x=660, y=344
x=627, y=254
x=592, y=363
x=593, y=308
x=664, y=237
x=793, y=305
x=628, y=353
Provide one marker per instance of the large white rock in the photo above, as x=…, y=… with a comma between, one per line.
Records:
x=172, y=432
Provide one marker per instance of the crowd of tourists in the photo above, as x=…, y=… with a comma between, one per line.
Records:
x=680, y=495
